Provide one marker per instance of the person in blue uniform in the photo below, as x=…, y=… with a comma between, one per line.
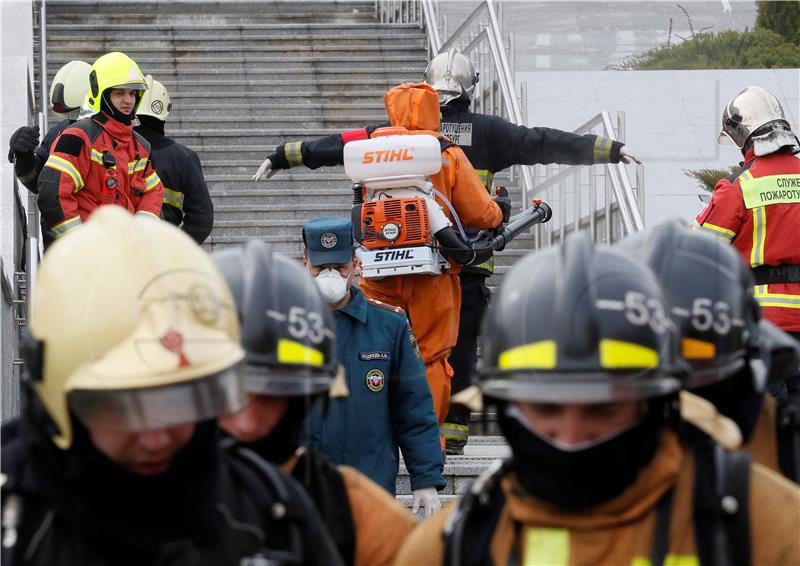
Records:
x=389, y=404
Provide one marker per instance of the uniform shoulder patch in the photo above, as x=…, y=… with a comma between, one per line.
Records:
x=69, y=144
x=386, y=306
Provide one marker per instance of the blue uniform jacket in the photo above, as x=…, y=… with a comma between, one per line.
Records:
x=389, y=406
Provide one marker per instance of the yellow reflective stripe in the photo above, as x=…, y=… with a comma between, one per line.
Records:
x=772, y=189
x=451, y=431
x=291, y=352
x=759, y=235
x=714, y=230
x=539, y=355
x=601, y=153
x=488, y=265
x=617, y=354
x=97, y=157
x=151, y=181
x=293, y=154
x=61, y=164
x=745, y=176
x=138, y=165
x=782, y=300
x=147, y=214
x=63, y=227
x=546, y=547
x=669, y=560
x=486, y=177
x=173, y=198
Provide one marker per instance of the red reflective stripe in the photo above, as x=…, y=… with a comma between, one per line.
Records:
x=355, y=135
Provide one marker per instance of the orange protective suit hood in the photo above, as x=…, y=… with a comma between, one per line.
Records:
x=414, y=106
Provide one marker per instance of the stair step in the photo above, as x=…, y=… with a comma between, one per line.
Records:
x=214, y=36
x=228, y=28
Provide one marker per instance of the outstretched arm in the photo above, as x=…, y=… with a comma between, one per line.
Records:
x=327, y=150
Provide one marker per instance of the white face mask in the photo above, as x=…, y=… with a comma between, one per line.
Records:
x=332, y=285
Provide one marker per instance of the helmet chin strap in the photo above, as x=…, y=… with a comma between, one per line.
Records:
x=111, y=110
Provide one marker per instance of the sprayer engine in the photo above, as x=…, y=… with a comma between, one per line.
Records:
x=394, y=211
x=395, y=222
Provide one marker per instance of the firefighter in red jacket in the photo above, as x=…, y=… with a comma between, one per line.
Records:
x=100, y=160
x=758, y=210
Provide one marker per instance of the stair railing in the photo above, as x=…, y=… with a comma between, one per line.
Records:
x=479, y=37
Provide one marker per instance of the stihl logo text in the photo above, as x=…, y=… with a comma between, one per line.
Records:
x=394, y=255
x=386, y=155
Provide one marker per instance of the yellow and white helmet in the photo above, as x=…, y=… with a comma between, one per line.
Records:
x=114, y=70
x=133, y=329
x=69, y=88
x=155, y=101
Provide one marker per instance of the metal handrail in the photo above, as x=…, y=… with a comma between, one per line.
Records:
x=491, y=34
x=481, y=29
x=43, y=63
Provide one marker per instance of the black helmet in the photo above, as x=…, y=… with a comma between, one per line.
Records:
x=287, y=329
x=709, y=290
x=578, y=324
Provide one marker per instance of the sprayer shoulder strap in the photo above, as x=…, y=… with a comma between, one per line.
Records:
x=445, y=143
x=469, y=529
x=721, y=506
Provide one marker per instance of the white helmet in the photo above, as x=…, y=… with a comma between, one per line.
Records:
x=69, y=88
x=754, y=114
x=155, y=100
x=451, y=74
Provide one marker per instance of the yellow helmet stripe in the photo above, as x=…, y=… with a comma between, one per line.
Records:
x=539, y=355
x=291, y=352
x=617, y=354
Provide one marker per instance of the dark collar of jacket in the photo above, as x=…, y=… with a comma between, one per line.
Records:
x=357, y=306
x=456, y=106
x=152, y=130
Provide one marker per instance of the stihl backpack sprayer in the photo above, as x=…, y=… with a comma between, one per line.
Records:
x=400, y=225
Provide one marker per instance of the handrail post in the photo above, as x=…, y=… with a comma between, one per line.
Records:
x=43, y=62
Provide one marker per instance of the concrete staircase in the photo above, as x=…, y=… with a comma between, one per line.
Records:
x=247, y=76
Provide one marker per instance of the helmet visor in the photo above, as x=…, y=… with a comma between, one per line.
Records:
x=565, y=388
x=141, y=409
x=283, y=382
x=701, y=375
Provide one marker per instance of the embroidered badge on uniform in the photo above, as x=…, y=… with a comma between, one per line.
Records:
x=375, y=380
x=328, y=240
x=369, y=356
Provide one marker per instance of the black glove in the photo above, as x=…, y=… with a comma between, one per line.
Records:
x=23, y=141
x=503, y=201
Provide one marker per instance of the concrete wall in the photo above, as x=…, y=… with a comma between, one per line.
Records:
x=16, y=57
x=673, y=119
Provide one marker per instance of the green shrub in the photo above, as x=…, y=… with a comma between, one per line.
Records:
x=781, y=17
x=759, y=49
x=708, y=178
